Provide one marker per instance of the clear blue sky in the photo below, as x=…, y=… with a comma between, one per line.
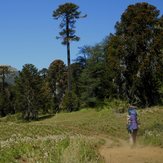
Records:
x=28, y=31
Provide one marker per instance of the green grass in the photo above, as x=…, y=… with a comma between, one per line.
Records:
x=151, y=127
x=50, y=149
x=73, y=137
x=91, y=122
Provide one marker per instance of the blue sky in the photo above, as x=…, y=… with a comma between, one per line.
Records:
x=28, y=31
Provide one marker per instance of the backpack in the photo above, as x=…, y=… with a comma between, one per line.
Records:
x=132, y=120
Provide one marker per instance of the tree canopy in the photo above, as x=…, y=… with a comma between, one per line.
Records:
x=134, y=53
x=68, y=13
x=126, y=65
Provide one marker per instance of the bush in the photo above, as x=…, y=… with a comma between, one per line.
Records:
x=70, y=102
x=117, y=105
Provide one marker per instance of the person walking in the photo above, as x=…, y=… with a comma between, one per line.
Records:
x=132, y=124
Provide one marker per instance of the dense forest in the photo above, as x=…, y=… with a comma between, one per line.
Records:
x=126, y=65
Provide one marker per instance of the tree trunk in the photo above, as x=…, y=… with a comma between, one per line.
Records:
x=68, y=55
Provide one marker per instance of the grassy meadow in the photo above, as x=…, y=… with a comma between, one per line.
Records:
x=73, y=137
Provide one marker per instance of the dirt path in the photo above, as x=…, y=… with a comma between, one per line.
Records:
x=126, y=154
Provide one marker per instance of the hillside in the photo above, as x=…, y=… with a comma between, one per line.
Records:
x=83, y=136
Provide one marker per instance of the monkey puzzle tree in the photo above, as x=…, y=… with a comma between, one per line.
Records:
x=134, y=54
x=7, y=75
x=28, y=91
x=57, y=82
x=68, y=13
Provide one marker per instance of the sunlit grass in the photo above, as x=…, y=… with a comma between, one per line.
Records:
x=73, y=137
x=50, y=149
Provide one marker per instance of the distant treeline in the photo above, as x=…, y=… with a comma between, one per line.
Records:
x=126, y=65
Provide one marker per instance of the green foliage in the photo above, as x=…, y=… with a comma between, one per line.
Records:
x=76, y=70
x=117, y=105
x=68, y=12
x=70, y=102
x=134, y=54
x=57, y=81
x=3, y=104
x=45, y=98
x=7, y=98
x=126, y=66
x=7, y=75
x=93, y=81
x=28, y=90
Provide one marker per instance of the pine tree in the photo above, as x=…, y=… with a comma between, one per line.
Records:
x=134, y=54
x=28, y=90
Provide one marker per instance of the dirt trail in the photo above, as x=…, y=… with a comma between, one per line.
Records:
x=127, y=154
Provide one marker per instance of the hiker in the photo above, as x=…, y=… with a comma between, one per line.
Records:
x=132, y=124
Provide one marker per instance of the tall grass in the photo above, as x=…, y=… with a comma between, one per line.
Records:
x=51, y=149
x=151, y=126
x=73, y=137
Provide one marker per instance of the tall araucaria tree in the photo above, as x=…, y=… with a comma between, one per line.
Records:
x=68, y=13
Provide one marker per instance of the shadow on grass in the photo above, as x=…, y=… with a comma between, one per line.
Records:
x=43, y=117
